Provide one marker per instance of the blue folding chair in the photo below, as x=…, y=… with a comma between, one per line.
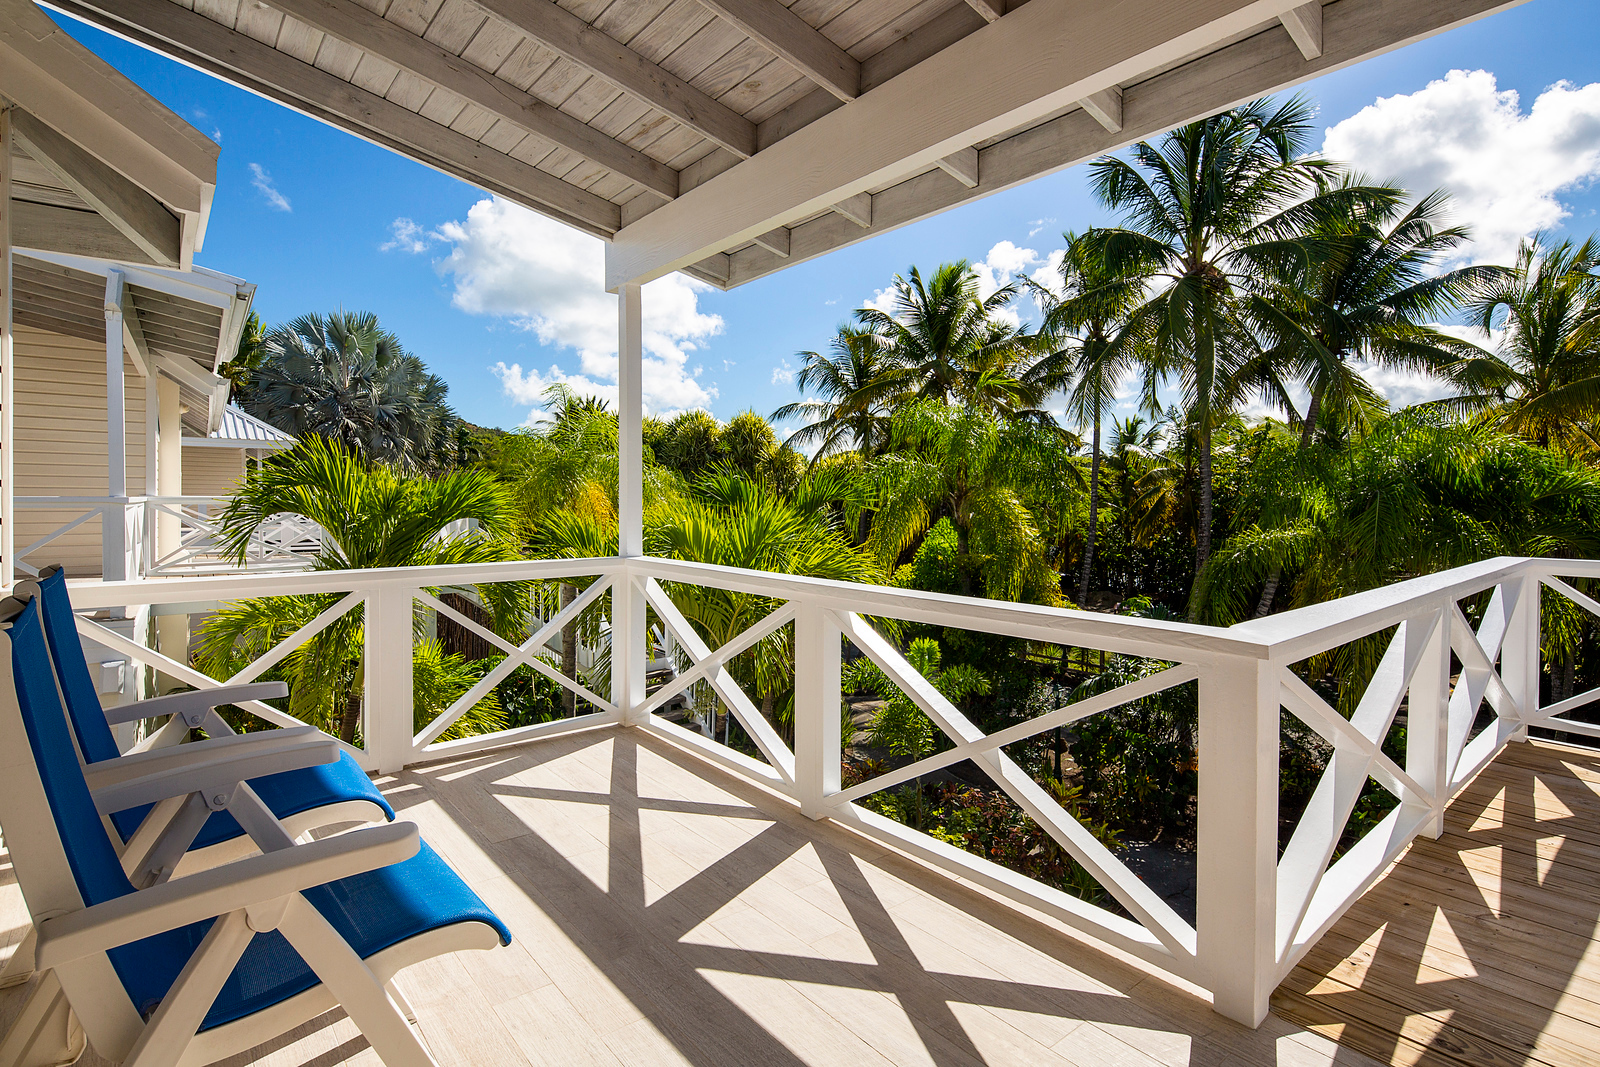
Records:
x=202, y=967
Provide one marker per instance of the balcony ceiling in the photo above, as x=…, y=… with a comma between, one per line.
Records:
x=731, y=138
x=100, y=168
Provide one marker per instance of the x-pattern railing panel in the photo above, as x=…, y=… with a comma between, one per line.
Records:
x=716, y=673
x=1177, y=935
x=525, y=654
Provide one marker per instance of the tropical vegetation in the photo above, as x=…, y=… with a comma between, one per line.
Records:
x=1180, y=419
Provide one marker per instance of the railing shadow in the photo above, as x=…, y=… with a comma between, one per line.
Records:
x=1478, y=947
x=917, y=968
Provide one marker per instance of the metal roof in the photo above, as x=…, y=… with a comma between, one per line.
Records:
x=240, y=429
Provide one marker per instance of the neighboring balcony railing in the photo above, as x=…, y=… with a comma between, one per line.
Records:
x=129, y=536
x=1257, y=913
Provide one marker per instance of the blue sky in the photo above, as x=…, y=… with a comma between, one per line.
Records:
x=311, y=215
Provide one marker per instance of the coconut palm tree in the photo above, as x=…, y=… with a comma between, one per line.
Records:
x=1367, y=293
x=858, y=383
x=965, y=464
x=342, y=377
x=1545, y=382
x=951, y=344
x=371, y=516
x=1210, y=207
x=1087, y=322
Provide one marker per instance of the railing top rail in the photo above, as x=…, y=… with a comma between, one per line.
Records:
x=1294, y=635
x=1119, y=633
x=96, y=594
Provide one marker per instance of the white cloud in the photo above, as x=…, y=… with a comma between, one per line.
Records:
x=549, y=279
x=409, y=237
x=884, y=300
x=783, y=374
x=1504, y=166
x=263, y=183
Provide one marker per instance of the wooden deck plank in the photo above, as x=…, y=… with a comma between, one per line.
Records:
x=665, y=913
x=1479, y=947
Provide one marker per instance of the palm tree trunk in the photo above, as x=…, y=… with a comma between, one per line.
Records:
x=964, y=576
x=351, y=717
x=1202, y=536
x=569, y=650
x=1308, y=431
x=1094, y=516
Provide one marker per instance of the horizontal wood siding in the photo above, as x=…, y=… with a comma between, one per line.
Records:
x=60, y=394
x=212, y=471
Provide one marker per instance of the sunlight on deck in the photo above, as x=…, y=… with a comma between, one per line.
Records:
x=1477, y=948
x=665, y=913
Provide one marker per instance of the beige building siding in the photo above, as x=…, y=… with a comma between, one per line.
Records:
x=60, y=425
x=210, y=471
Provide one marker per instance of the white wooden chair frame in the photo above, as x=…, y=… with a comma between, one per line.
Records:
x=78, y=997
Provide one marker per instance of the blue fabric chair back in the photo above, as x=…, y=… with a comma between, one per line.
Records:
x=94, y=863
x=72, y=668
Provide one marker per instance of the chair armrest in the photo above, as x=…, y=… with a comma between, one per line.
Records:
x=221, y=766
x=220, y=890
x=193, y=707
x=137, y=764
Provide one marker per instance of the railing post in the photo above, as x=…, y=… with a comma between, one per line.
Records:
x=1519, y=655
x=817, y=638
x=1428, y=710
x=1236, y=887
x=629, y=646
x=387, y=712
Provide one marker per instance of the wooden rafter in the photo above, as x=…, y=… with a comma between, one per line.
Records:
x=240, y=58
x=793, y=39
x=1304, y=24
x=134, y=213
x=355, y=25
x=559, y=30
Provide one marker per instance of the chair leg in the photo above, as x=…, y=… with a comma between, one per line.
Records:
x=353, y=984
x=19, y=968
x=46, y=1034
x=392, y=988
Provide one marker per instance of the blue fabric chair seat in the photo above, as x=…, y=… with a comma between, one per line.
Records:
x=285, y=794
x=372, y=911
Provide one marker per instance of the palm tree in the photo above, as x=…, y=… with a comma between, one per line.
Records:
x=1090, y=315
x=954, y=343
x=1368, y=292
x=1548, y=368
x=342, y=377
x=857, y=382
x=241, y=369
x=965, y=464
x=371, y=516
x=1209, y=208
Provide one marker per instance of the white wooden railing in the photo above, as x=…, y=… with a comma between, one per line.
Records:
x=129, y=536
x=1256, y=914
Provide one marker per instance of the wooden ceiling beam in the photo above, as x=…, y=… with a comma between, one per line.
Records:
x=1106, y=108
x=360, y=28
x=137, y=215
x=1304, y=24
x=794, y=40
x=988, y=10
x=243, y=60
x=1265, y=63
x=591, y=48
x=63, y=229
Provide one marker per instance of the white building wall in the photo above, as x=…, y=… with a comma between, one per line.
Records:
x=60, y=420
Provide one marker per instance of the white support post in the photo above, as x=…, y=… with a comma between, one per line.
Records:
x=1519, y=654
x=114, y=519
x=817, y=640
x=629, y=648
x=1236, y=887
x=630, y=422
x=8, y=525
x=386, y=725
x=1428, y=710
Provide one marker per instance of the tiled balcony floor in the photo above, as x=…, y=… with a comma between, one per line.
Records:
x=667, y=913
